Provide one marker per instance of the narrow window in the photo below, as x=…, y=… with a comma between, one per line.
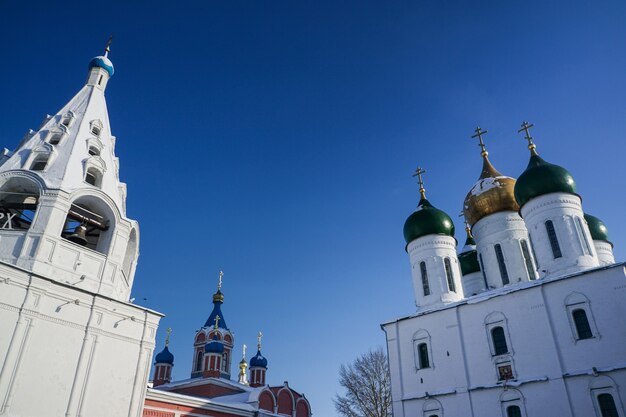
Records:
x=93, y=177
x=199, y=361
x=554, y=242
x=482, y=269
x=503, y=273
x=55, y=139
x=499, y=341
x=582, y=324
x=449, y=276
x=95, y=129
x=40, y=163
x=93, y=151
x=583, y=236
x=529, y=263
x=422, y=352
x=66, y=121
x=225, y=362
x=424, y=272
x=100, y=80
x=607, y=405
x=513, y=411
x=90, y=178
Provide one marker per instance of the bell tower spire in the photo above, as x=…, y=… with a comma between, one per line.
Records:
x=72, y=215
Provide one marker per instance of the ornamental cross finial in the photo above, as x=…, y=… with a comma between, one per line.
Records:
x=467, y=227
x=217, y=320
x=244, y=351
x=258, y=338
x=525, y=128
x=418, y=173
x=479, y=134
x=219, y=281
x=167, y=338
x=107, y=48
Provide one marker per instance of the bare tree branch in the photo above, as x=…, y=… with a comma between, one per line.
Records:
x=367, y=385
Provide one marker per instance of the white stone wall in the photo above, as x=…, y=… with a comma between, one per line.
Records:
x=604, y=250
x=554, y=372
x=67, y=352
x=562, y=209
x=507, y=229
x=433, y=250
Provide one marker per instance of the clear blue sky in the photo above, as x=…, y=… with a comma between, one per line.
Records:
x=276, y=140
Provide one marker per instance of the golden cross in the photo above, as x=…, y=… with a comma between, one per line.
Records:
x=219, y=282
x=217, y=320
x=418, y=173
x=258, y=338
x=467, y=228
x=526, y=127
x=479, y=134
x=107, y=48
x=167, y=338
x=244, y=351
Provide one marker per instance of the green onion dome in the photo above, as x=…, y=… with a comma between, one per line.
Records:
x=541, y=177
x=597, y=228
x=427, y=220
x=468, y=258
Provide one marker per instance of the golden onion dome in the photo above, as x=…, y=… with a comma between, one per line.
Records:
x=492, y=193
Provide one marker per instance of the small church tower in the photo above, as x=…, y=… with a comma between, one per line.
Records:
x=163, y=364
x=554, y=217
x=214, y=327
x=258, y=366
x=430, y=243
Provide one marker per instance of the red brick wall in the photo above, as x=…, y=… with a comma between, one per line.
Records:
x=266, y=401
x=285, y=403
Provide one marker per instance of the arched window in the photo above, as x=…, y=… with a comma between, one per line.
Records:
x=130, y=256
x=499, y=341
x=93, y=151
x=449, y=276
x=96, y=127
x=40, y=162
x=527, y=260
x=554, y=242
x=422, y=352
x=432, y=408
x=582, y=236
x=513, y=411
x=482, y=269
x=503, y=272
x=583, y=330
x=55, y=138
x=424, y=274
x=607, y=405
x=87, y=224
x=199, y=358
x=225, y=362
x=19, y=198
x=93, y=177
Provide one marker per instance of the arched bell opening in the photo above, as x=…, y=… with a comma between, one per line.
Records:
x=19, y=199
x=88, y=224
x=130, y=257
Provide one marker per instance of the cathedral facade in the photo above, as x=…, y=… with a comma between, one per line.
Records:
x=68, y=254
x=525, y=320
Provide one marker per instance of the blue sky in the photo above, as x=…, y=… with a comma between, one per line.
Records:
x=275, y=140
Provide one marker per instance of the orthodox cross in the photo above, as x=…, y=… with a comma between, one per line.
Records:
x=107, y=48
x=258, y=338
x=244, y=351
x=467, y=228
x=479, y=134
x=217, y=320
x=219, y=281
x=167, y=338
x=418, y=173
x=525, y=128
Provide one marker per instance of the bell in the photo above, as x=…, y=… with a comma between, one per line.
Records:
x=79, y=236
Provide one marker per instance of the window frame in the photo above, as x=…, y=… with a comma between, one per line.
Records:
x=578, y=301
x=512, y=398
x=447, y=266
x=553, y=239
x=497, y=319
x=605, y=385
x=422, y=337
x=424, y=276
x=504, y=273
x=528, y=260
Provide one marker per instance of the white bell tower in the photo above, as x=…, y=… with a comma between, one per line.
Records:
x=63, y=204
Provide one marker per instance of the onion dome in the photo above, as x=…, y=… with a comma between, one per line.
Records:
x=426, y=219
x=165, y=356
x=258, y=360
x=218, y=300
x=102, y=62
x=541, y=177
x=214, y=346
x=468, y=258
x=597, y=228
x=492, y=193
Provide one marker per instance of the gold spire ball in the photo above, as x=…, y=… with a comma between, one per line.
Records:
x=492, y=193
